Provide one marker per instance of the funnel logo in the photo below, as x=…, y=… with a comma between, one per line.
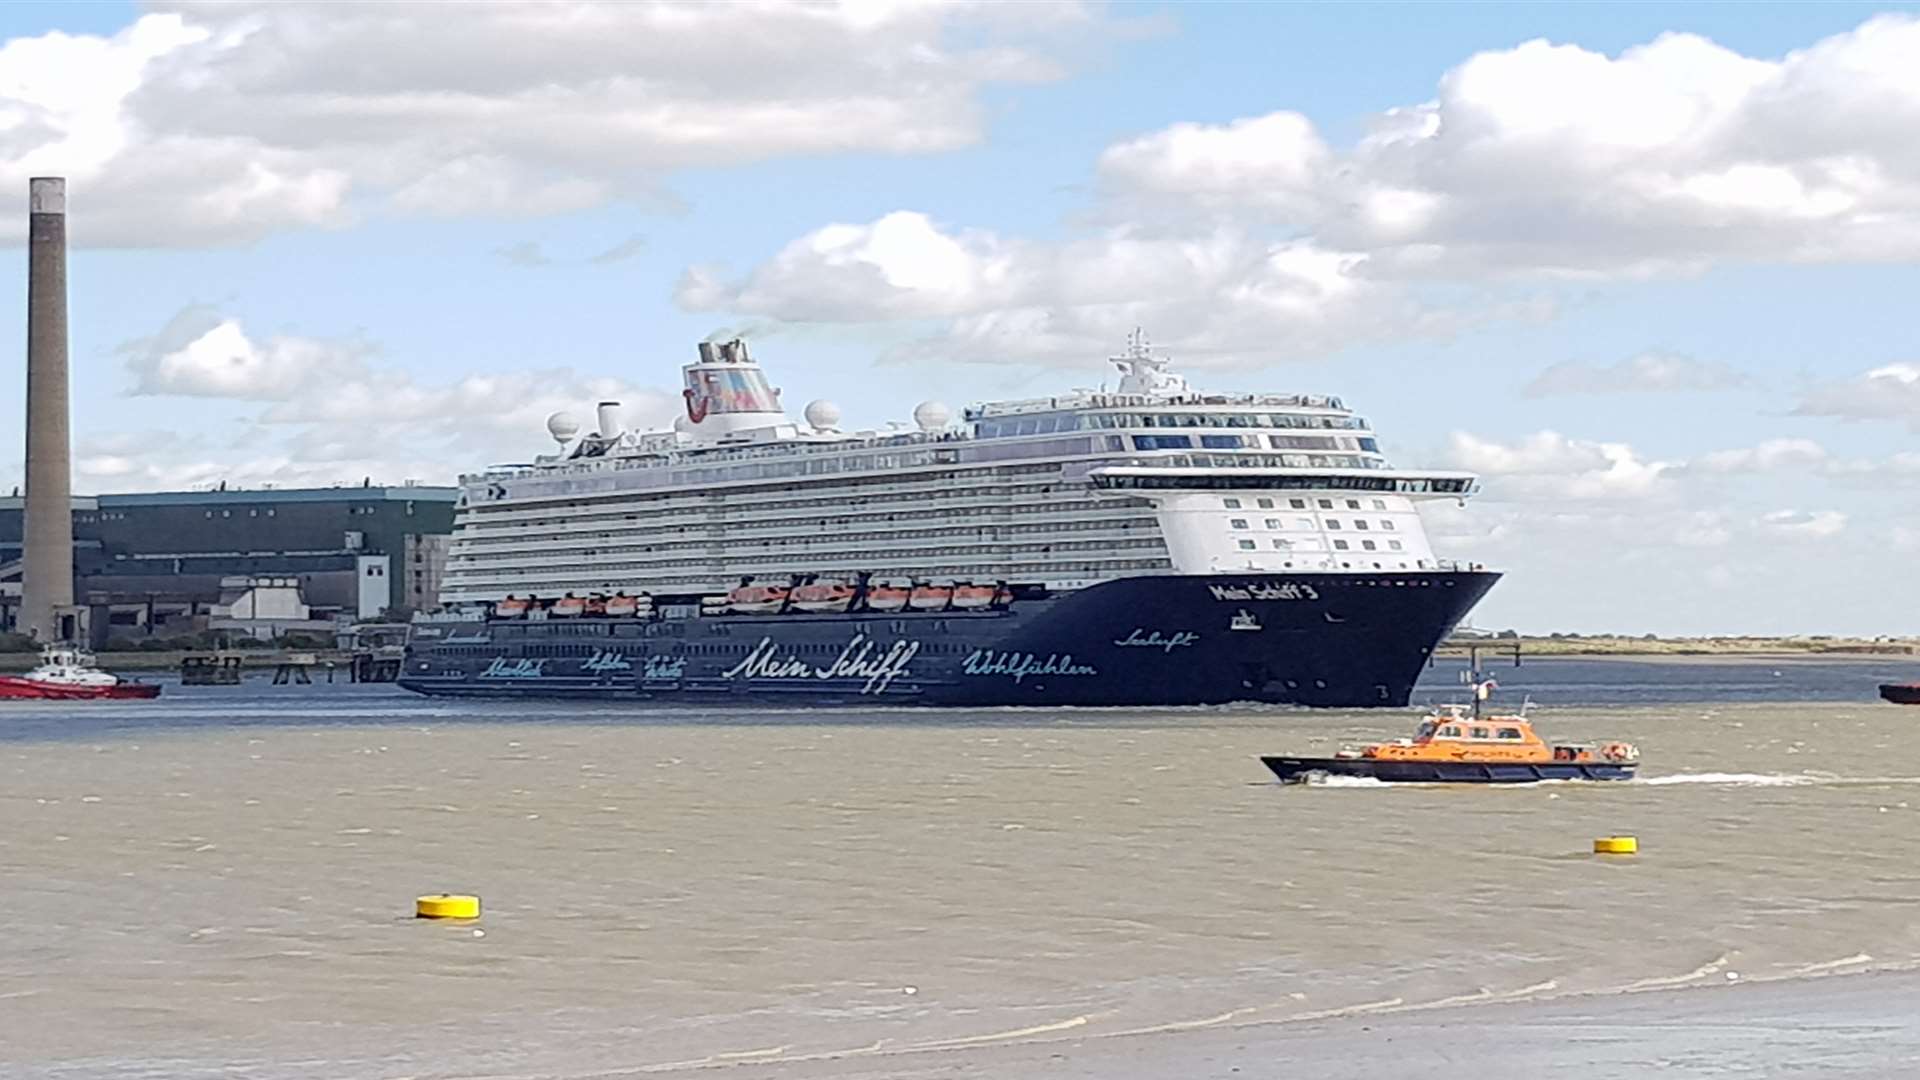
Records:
x=698, y=404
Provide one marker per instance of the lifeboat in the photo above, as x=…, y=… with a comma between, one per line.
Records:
x=1002, y=596
x=512, y=607
x=1901, y=693
x=758, y=599
x=69, y=674
x=1457, y=744
x=596, y=605
x=620, y=606
x=969, y=597
x=926, y=597
x=823, y=596
x=884, y=597
x=567, y=607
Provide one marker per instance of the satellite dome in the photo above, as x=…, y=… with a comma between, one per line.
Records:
x=563, y=426
x=932, y=415
x=823, y=415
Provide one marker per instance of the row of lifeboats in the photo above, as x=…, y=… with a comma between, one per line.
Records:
x=813, y=595
x=826, y=597
x=617, y=606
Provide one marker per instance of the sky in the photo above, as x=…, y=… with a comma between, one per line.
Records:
x=1649, y=269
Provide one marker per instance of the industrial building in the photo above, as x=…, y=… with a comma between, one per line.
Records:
x=260, y=563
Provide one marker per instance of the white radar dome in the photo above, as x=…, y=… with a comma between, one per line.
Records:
x=823, y=415
x=932, y=415
x=563, y=426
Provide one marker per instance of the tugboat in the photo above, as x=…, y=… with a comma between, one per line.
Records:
x=1458, y=744
x=68, y=673
x=1901, y=693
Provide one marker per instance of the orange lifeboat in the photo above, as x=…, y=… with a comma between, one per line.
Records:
x=927, y=597
x=620, y=606
x=596, y=605
x=969, y=597
x=1458, y=744
x=510, y=607
x=887, y=597
x=758, y=599
x=567, y=607
x=823, y=596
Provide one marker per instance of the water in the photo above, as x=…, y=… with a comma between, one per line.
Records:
x=222, y=881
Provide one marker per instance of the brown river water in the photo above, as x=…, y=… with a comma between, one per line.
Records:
x=224, y=884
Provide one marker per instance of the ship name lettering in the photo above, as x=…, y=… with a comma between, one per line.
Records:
x=606, y=660
x=1019, y=665
x=663, y=667
x=1286, y=590
x=1142, y=638
x=862, y=658
x=503, y=668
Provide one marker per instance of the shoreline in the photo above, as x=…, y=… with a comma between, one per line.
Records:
x=1856, y=1024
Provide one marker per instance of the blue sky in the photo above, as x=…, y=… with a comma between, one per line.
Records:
x=1655, y=288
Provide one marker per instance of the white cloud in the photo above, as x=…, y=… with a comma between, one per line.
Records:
x=1550, y=466
x=1768, y=456
x=317, y=411
x=210, y=123
x=1552, y=158
x=1885, y=393
x=1647, y=373
x=1817, y=525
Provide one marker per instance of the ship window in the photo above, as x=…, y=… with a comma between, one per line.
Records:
x=1394, y=544
x=1239, y=523
x=1332, y=524
x=1297, y=504
x=1379, y=504
x=1264, y=504
x=1246, y=545
x=1339, y=545
x=1353, y=504
x=1360, y=523
x=1509, y=732
x=1369, y=545
x=1326, y=504
x=1276, y=523
x=1479, y=733
x=1387, y=525
x=1450, y=731
x=1220, y=442
x=1231, y=504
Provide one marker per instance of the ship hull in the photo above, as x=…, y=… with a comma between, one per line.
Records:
x=1294, y=770
x=1901, y=693
x=1347, y=640
x=17, y=689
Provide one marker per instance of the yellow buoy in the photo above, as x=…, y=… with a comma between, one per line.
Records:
x=1616, y=845
x=447, y=906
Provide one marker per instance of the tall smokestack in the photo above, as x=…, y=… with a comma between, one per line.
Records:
x=47, y=585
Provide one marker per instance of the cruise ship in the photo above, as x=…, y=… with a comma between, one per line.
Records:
x=1154, y=545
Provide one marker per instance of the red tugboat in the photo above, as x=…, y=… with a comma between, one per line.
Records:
x=1901, y=693
x=68, y=673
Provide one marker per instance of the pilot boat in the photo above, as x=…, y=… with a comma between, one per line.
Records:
x=1460, y=744
x=69, y=674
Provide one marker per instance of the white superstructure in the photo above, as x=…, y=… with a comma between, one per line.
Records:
x=1063, y=492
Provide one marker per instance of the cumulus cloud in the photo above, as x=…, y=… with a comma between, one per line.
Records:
x=1532, y=165
x=212, y=123
x=1886, y=393
x=1647, y=373
x=1553, y=158
x=1815, y=525
x=1549, y=465
x=324, y=411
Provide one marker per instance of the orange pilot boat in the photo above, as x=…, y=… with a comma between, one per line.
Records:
x=1458, y=744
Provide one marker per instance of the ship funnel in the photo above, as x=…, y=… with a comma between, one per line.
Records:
x=609, y=413
x=708, y=355
x=736, y=351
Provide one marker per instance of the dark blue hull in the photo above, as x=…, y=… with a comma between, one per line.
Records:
x=1347, y=640
x=1296, y=770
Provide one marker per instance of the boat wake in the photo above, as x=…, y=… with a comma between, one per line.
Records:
x=1772, y=779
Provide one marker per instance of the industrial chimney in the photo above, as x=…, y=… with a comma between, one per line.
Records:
x=46, y=610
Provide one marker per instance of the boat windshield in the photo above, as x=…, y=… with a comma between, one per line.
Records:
x=1426, y=730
